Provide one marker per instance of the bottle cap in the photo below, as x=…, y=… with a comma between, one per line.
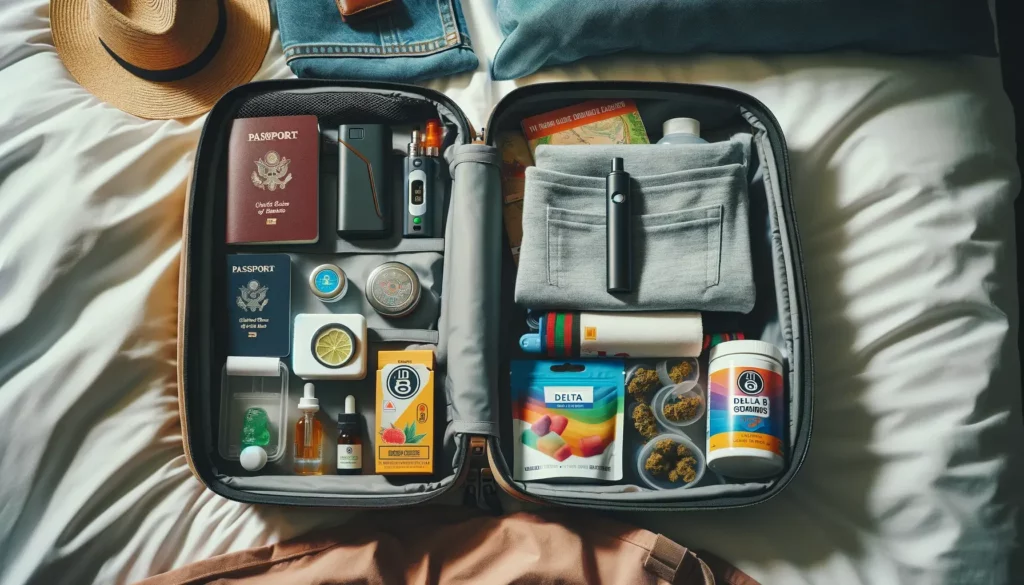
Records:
x=681, y=126
x=253, y=458
x=328, y=282
x=531, y=343
x=349, y=420
x=393, y=289
x=309, y=401
x=747, y=346
x=617, y=164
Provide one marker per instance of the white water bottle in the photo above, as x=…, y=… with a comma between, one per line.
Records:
x=681, y=131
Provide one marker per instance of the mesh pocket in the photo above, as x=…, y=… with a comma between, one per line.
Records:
x=368, y=108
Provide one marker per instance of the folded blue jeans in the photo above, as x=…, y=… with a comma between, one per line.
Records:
x=415, y=40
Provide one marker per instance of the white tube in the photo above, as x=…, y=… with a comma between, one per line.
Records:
x=675, y=334
x=253, y=366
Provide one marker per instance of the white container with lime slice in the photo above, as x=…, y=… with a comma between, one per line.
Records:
x=327, y=346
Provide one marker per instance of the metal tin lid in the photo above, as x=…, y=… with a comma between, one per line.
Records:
x=393, y=289
x=748, y=346
x=328, y=282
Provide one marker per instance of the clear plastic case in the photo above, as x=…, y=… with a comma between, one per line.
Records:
x=244, y=392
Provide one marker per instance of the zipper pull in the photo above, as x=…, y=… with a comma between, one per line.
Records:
x=489, y=499
x=481, y=491
x=471, y=496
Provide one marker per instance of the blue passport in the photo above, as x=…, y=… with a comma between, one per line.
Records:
x=259, y=304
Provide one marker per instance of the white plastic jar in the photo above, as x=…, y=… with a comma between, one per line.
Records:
x=747, y=410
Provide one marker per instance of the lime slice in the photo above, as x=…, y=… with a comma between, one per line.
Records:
x=334, y=346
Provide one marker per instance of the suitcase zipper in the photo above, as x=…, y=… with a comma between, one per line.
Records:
x=481, y=491
x=505, y=485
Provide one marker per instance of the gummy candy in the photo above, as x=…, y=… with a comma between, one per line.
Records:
x=542, y=425
x=590, y=446
x=563, y=453
x=549, y=444
x=255, y=428
x=558, y=423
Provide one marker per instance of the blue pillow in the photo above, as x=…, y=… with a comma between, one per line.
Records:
x=551, y=32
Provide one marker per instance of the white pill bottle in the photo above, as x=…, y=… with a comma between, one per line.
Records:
x=747, y=411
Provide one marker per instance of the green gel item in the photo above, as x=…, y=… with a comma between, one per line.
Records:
x=256, y=428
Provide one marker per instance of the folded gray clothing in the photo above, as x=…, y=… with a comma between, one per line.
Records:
x=643, y=160
x=691, y=240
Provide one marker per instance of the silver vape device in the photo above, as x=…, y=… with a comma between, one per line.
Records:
x=420, y=182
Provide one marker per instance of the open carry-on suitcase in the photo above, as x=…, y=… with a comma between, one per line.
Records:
x=466, y=311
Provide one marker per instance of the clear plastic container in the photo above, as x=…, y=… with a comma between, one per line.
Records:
x=688, y=389
x=239, y=394
x=663, y=483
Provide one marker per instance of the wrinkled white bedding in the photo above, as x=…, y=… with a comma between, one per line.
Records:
x=904, y=178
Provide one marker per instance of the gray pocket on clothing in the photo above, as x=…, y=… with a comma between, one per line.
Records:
x=681, y=252
x=691, y=240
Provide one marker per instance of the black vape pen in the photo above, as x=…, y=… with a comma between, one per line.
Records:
x=618, y=224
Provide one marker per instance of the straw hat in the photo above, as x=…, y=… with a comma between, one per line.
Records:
x=161, y=58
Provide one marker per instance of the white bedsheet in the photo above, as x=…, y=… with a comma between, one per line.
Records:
x=904, y=177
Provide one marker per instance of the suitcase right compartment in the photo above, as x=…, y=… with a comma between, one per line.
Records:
x=779, y=313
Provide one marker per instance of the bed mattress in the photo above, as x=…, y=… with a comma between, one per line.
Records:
x=904, y=175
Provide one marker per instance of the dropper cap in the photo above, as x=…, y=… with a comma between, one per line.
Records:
x=309, y=401
x=349, y=421
x=433, y=136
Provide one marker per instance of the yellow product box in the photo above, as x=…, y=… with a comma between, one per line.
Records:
x=405, y=412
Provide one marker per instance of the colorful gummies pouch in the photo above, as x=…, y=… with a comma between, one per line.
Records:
x=568, y=419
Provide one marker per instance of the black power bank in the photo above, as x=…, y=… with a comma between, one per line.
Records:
x=364, y=201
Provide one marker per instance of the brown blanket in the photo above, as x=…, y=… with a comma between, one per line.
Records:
x=456, y=546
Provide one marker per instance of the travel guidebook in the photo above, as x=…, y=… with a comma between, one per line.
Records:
x=593, y=122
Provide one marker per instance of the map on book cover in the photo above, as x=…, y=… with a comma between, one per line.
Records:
x=593, y=122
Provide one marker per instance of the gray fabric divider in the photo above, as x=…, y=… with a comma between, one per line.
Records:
x=618, y=493
x=357, y=267
x=426, y=336
x=782, y=259
x=470, y=304
x=332, y=486
x=403, y=246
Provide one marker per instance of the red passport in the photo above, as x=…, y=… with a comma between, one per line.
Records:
x=274, y=180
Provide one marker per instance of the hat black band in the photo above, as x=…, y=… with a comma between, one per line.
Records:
x=188, y=69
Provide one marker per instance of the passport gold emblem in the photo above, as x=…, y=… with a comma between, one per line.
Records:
x=271, y=172
x=252, y=297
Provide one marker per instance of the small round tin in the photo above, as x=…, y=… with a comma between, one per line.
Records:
x=393, y=289
x=328, y=283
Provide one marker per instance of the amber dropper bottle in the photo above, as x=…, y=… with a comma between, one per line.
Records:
x=309, y=435
x=350, y=440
